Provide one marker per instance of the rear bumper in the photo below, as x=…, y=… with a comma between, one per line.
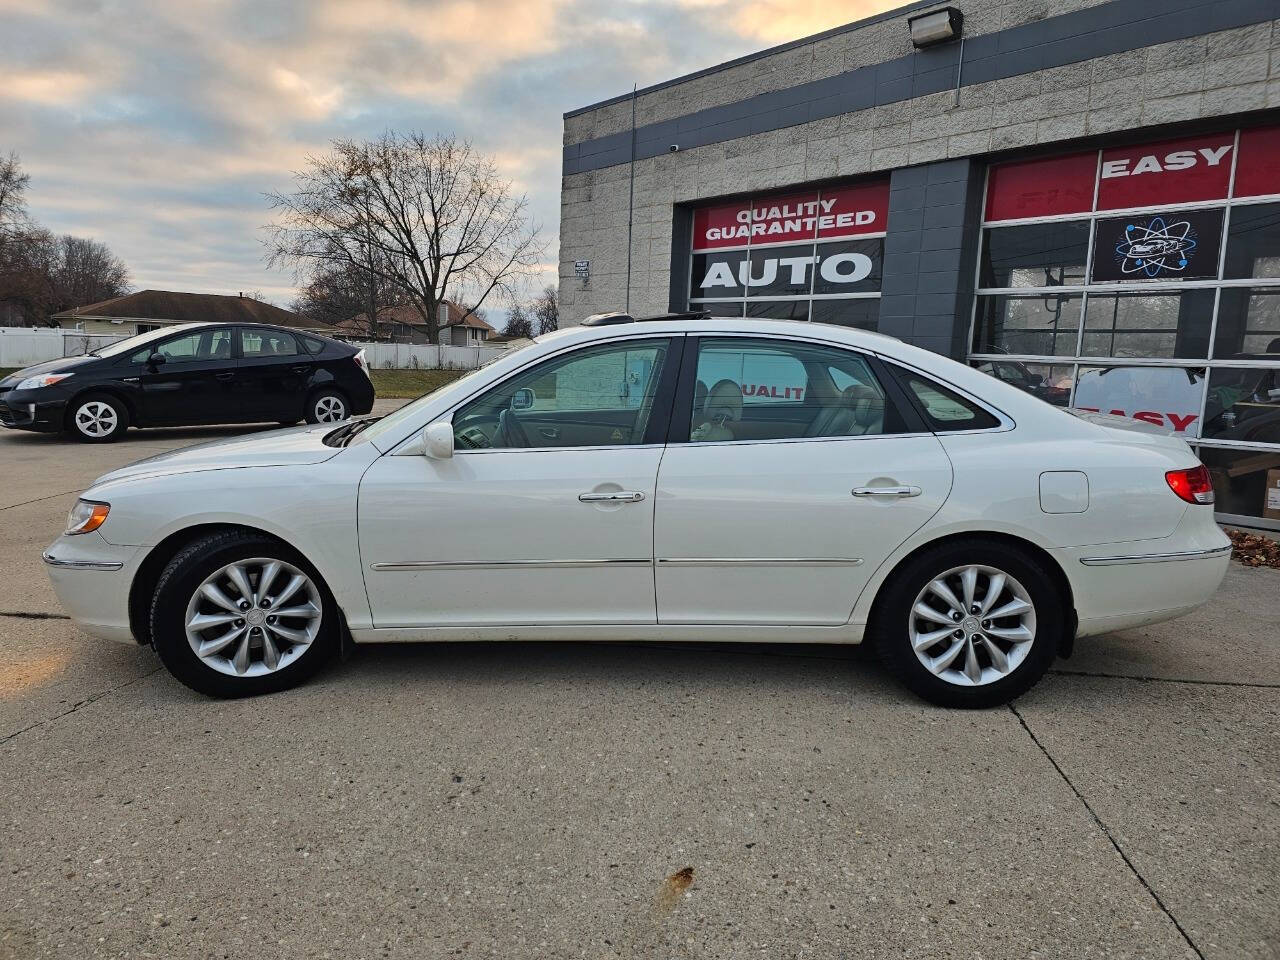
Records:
x=1124, y=585
x=91, y=579
x=46, y=417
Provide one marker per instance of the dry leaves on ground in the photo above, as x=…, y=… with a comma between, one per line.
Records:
x=1254, y=550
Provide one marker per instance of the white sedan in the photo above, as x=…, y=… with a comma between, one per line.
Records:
x=677, y=478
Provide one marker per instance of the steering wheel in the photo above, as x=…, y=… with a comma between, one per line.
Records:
x=510, y=432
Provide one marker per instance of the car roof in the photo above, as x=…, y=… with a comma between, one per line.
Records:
x=742, y=326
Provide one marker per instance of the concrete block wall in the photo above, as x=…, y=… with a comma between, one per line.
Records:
x=1212, y=75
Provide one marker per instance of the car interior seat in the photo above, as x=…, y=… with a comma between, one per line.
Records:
x=723, y=406
x=859, y=410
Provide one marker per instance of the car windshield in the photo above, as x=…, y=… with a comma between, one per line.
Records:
x=141, y=340
x=392, y=420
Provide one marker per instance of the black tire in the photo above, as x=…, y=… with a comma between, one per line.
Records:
x=895, y=612
x=180, y=580
x=320, y=403
x=97, y=418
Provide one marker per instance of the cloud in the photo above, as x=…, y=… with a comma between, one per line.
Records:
x=157, y=127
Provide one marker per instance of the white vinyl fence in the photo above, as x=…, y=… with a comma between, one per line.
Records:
x=23, y=346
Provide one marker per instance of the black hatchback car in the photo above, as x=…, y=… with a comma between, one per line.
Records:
x=195, y=373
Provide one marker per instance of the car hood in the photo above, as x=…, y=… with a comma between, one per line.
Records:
x=275, y=448
x=60, y=365
x=1128, y=430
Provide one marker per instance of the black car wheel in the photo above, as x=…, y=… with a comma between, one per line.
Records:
x=98, y=418
x=327, y=406
x=237, y=614
x=970, y=624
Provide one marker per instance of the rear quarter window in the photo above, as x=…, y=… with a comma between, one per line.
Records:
x=944, y=409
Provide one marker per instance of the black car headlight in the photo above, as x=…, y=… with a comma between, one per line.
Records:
x=43, y=380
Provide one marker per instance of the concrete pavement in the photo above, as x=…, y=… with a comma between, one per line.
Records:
x=541, y=800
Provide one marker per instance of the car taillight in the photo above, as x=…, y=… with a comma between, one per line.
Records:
x=1193, y=486
x=362, y=363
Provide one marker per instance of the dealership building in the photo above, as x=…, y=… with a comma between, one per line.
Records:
x=1081, y=198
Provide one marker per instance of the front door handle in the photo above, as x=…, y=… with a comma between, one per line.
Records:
x=300, y=369
x=225, y=376
x=622, y=496
x=551, y=433
x=897, y=492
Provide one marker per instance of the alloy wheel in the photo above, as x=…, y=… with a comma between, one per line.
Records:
x=96, y=419
x=330, y=409
x=972, y=625
x=253, y=617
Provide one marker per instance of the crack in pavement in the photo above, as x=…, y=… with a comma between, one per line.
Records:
x=52, y=496
x=1146, y=679
x=80, y=703
x=1107, y=833
x=33, y=615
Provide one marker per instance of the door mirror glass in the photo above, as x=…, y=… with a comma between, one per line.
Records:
x=437, y=440
x=523, y=399
x=156, y=359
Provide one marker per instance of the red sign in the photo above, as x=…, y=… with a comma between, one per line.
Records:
x=793, y=218
x=1258, y=166
x=1042, y=188
x=1172, y=171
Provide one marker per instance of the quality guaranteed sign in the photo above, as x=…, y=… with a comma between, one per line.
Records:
x=794, y=218
x=1166, y=246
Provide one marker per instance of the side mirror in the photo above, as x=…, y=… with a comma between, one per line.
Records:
x=523, y=399
x=437, y=440
x=156, y=359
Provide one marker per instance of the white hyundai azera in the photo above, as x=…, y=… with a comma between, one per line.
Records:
x=677, y=478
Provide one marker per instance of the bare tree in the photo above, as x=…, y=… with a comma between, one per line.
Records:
x=13, y=207
x=430, y=216
x=87, y=272
x=519, y=325
x=337, y=292
x=546, y=310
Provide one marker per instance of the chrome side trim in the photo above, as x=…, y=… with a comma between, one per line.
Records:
x=401, y=566
x=760, y=561
x=1156, y=557
x=81, y=564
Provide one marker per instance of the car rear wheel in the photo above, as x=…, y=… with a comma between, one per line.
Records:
x=970, y=624
x=237, y=614
x=98, y=418
x=327, y=406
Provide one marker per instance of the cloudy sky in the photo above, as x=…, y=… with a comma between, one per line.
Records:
x=156, y=125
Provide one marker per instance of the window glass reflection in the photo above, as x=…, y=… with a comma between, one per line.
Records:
x=1243, y=404
x=1166, y=397
x=1038, y=326
x=1148, y=324
x=1051, y=383
x=1245, y=482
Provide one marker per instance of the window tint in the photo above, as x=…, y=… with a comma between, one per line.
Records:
x=773, y=390
x=1038, y=255
x=1148, y=325
x=1038, y=325
x=945, y=409
x=312, y=344
x=1253, y=242
x=599, y=396
x=202, y=345
x=267, y=343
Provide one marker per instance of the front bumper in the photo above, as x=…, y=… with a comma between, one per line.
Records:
x=21, y=413
x=91, y=579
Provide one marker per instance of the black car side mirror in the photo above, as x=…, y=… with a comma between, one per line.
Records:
x=156, y=359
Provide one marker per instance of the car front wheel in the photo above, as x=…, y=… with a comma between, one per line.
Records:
x=98, y=418
x=327, y=406
x=237, y=614
x=970, y=624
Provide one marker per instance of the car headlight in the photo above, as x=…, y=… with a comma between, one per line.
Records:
x=44, y=380
x=85, y=517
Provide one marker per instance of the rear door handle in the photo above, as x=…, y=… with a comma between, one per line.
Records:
x=225, y=376
x=300, y=369
x=551, y=433
x=622, y=496
x=897, y=492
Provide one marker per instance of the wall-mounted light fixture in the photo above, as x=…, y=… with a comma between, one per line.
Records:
x=936, y=26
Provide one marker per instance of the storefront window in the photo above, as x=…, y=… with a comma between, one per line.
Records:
x=1243, y=404
x=1051, y=383
x=1151, y=271
x=1253, y=242
x=1248, y=324
x=1040, y=325
x=1246, y=483
x=771, y=256
x=1148, y=324
x=1038, y=255
x=860, y=312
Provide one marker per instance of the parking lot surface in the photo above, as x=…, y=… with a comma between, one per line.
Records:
x=545, y=800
